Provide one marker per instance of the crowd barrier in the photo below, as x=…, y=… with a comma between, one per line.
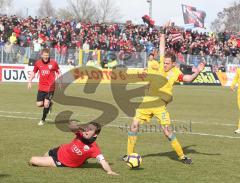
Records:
x=21, y=73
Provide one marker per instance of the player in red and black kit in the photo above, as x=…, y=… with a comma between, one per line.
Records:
x=75, y=153
x=48, y=70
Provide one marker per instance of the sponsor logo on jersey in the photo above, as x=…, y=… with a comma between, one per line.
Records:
x=86, y=148
x=76, y=150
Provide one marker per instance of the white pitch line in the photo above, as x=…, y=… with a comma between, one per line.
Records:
x=198, y=122
x=17, y=112
x=193, y=122
x=116, y=126
x=189, y=133
x=126, y=117
x=22, y=117
x=212, y=135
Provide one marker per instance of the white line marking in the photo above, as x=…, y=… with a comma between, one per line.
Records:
x=189, y=133
x=198, y=122
x=193, y=122
x=118, y=126
x=22, y=117
x=212, y=135
x=16, y=112
x=126, y=117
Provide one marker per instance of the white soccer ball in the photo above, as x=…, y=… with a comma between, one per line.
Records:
x=134, y=160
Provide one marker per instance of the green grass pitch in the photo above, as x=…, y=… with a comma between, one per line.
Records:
x=205, y=119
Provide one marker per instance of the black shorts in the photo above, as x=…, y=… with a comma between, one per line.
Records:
x=53, y=153
x=44, y=95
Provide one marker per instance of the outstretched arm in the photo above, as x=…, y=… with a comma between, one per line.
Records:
x=107, y=167
x=190, y=78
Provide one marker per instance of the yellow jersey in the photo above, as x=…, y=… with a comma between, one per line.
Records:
x=161, y=82
x=236, y=79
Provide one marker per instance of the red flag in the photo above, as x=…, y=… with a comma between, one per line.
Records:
x=193, y=16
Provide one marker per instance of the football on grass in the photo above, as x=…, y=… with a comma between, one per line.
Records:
x=134, y=160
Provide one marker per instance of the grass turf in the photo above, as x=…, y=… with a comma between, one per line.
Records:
x=211, y=110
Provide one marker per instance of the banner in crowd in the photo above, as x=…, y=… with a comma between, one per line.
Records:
x=21, y=73
x=193, y=16
x=226, y=78
x=15, y=73
x=206, y=77
x=118, y=76
x=231, y=68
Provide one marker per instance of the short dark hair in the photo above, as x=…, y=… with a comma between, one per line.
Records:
x=97, y=125
x=45, y=50
x=151, y=54
x=171, y=55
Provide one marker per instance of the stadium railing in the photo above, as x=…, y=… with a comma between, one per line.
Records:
x=104, y=59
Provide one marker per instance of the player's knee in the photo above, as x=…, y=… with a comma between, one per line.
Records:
x=46, y=104
x=167, y=130
x=134, y=127
x=168, y=133
x=171, y=136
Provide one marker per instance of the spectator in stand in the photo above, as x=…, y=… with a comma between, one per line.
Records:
x=86, y=48
x=63, y=53
x=46, y=32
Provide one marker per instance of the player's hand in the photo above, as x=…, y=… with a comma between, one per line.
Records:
x=201, y=66
x=29, y=85
x=112, y=173
x=167, y=24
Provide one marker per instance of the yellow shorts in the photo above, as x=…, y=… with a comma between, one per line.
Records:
x=145, y=115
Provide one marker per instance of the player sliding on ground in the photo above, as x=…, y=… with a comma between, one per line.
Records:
x=48, y=70
x=163, y=95
x=75, y=153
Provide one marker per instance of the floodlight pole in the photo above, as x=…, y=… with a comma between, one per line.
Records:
x=150, y=7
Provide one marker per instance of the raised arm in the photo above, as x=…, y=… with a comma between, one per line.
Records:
x=162, y=35
x=162, y=45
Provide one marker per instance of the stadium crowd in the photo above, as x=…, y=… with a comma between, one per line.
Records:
x=27, y=36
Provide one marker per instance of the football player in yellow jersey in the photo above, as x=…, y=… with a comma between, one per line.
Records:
x=236, y=80
x=162, y=95
x=152, y=63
